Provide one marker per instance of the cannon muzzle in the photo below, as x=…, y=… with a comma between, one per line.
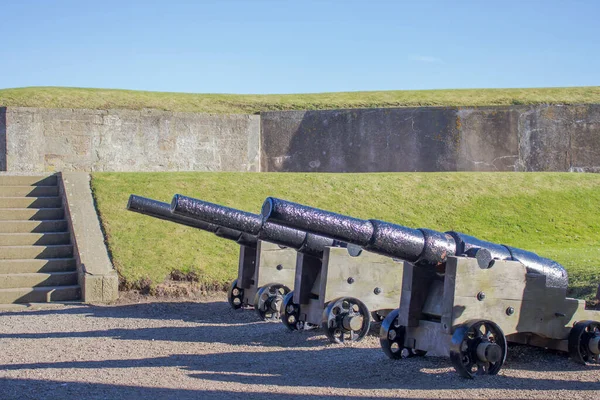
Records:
x=251, y=224
x=423, y=247
x=160, y=210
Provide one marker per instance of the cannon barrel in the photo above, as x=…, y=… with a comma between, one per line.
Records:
x=423, y=247
x=160, y=210
x=251, y=224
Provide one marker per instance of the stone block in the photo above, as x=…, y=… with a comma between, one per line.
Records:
x=488, y=139
x=366, y=140
x=41, y=140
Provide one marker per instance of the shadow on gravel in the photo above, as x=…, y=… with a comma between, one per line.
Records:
x=223, y=325
x=216, y=312
x=260, y=334
x=36, y=389
x=337, y=367
x=359, y=369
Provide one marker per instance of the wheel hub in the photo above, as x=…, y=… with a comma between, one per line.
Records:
x=489, y=352
x=352, y=322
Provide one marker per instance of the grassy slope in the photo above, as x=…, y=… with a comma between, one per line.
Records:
x=554, y=214
x=57, y=97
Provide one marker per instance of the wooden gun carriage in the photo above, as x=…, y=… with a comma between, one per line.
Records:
x=461, y=296
x=336, y=288
x=265, y=270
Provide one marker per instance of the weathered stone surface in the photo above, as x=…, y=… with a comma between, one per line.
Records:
x=401, y=139
x=488, y=139
x=544, y=139
x=124, y=140
x=515, y=138
x=96, y=275
x=582, y=125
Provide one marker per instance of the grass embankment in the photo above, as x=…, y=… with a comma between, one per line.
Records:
x=553, y=214
x=60, y=97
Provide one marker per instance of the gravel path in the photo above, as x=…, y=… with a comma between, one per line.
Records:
x=187, y=349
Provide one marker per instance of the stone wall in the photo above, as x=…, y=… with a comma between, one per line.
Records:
x=45, y=140
x=514, y=138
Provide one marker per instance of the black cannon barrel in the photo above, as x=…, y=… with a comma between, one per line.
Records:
x=251, y=224
x=420, y=246
x=160, y=210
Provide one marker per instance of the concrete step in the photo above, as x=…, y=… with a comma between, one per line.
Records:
x=32, y=214
x=28, y=252
x=30, y=202
x=37, y=265
x=42, y=294
x=11, y=281
x=28, y=191
x=23, y=180
x=37, y=239
x=59, y=225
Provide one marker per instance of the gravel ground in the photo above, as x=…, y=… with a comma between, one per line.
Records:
x=203, y=349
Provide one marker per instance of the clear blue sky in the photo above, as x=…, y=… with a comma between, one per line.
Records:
x=299, y=46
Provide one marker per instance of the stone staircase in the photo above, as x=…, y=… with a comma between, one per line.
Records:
x=36, y=254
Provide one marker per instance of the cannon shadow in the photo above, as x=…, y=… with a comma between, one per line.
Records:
x=217, y=323
x=343, y=368
x=300, y=360
x=214, y=312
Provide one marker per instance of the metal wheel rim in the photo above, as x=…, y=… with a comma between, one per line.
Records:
x=345, y=306
x=579, y=337
x=465, y=340
x=265, y=297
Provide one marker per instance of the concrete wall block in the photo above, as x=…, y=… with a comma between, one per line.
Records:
x=369, y=140
x=584, y=128
x=488, y=139
x=515, y=138
x=522, y=138
x=544, y=135
x=127, y=140
x=24, y=141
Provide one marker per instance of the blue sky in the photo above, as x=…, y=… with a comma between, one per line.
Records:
x=301, y=46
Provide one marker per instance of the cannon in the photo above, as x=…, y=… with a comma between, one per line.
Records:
x=265, y=270
x=461, y=296
x=338, y=288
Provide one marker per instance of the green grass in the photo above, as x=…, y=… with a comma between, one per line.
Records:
x=553, y=214
x=60, y=97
